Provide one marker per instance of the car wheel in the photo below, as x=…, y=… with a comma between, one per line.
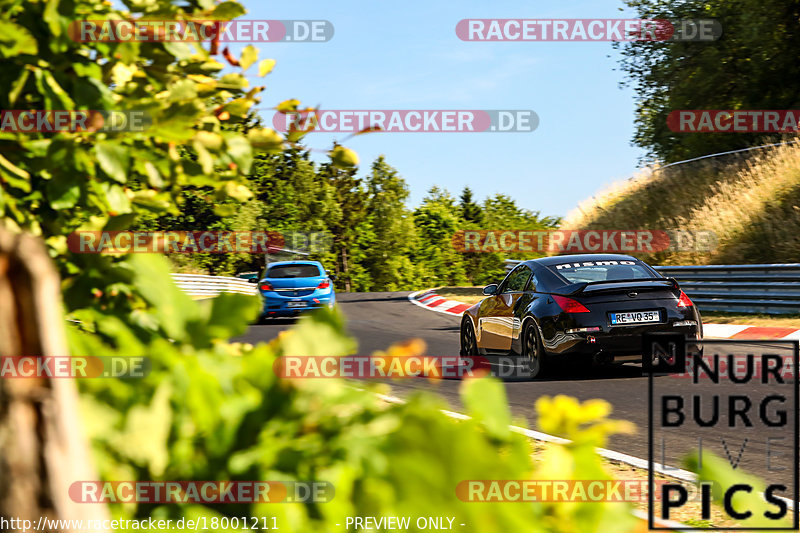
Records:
x=532, y=351
x=469, y=344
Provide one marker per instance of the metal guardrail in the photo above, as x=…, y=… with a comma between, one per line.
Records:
x=770, y=288
x=200, y=286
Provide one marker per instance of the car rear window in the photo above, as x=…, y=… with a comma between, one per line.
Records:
x=294, y=271
x=588, y=271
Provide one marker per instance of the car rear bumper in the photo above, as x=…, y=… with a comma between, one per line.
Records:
x=282, y=307
x=616, y=344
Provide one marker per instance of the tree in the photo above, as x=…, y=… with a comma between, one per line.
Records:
x=350, y=199
x=470, y=211
x=54, y=183
x=437, y=219
x=388, y=251
x=754, y=65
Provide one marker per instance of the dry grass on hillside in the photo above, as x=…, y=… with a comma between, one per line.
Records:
x=751, y=203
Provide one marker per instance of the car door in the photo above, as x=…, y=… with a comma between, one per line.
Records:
x=496, y=315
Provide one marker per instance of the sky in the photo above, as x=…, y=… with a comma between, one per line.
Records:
x=406, y=55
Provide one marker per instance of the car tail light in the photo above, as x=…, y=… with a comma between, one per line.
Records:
x=265, y=286
x=569, y=305
x=324, y=284
x=684, y=300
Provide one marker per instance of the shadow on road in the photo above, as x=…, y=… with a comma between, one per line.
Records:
x=561, y=373
x=278, y=321
x=381, y=299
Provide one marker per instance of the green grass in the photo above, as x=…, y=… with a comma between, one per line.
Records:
x=752, y=320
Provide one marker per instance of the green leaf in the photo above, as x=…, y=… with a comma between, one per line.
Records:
x=114, y=159
x=15, y=176
x=231, y=314
x=16, y=40
x=63, y=192
x=239, y=107
x=324, y=334
x=153, y=176
x=182, y=90
x=55, y=96
x=209, y=139
x=120, y=223
x=288, y=105
x=485, y=400
x=17, y=87
x=172, y=307
x=122, y=73
x=52, y=18
x=237, y=191
x=152, y=200
x=248, y=57
x=181, y=51
x=144, y=438
x=265, y=139
x=343, y=157
x=228, y=11
x=233, y=81
x=118, y=201
x=265, y=66
x=240, y=151
x=718, y=470
x=224, y=210
x=204, y=157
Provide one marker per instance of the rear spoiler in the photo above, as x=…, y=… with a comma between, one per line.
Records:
x=579, y=288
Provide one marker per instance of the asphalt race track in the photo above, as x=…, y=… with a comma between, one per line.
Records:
x=378, y=320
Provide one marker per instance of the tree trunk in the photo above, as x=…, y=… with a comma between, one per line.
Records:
x=42, y=448
x=345, y=269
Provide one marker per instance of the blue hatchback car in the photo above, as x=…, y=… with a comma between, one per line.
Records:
x=289, y=288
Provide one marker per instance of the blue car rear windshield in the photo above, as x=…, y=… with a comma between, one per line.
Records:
x=294, y=271
x=589, y=271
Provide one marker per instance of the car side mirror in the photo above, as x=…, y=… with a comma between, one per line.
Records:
x=490, y=289
x=332, y=277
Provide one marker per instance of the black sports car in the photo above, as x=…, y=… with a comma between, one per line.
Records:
x=593, y=307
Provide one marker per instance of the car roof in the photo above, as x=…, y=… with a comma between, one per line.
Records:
x=281, y=263
x=578, y=258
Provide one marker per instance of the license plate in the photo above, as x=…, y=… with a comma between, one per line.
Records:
x=635, y=317
x=296, y=304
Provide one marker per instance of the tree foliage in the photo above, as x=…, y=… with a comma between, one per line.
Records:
x=754, y=65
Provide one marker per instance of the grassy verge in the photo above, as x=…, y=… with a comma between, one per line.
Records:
x=779, y=321
x=467, y=295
